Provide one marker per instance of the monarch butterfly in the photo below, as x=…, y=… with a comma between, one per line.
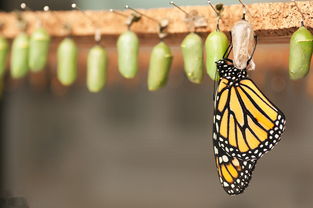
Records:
x=246, y=125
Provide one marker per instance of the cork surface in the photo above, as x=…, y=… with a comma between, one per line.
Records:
x=273, y=22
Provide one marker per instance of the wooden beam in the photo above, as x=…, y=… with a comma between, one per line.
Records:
x=273, y=22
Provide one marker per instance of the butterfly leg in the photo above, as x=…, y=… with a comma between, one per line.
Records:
x=256, y=41
x=229, y=48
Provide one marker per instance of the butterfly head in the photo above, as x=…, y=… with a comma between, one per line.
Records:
x=227, y=70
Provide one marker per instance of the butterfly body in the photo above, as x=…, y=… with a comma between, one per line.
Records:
x=246, y=125
x=229, y=71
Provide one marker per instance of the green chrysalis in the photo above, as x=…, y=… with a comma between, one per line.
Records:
x=193, y=57
x=96, y=68
x=67, y=61
x=127, y=49
x=159, y=67
x=38, y=50
x=216, y=45
x=19, y=56
x=301, y=48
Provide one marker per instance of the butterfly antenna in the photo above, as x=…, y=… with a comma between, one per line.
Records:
x=214, y=87
x=227, y=52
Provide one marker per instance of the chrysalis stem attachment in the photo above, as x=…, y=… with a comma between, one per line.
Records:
x=211, y=5
x=178, y=7
x=24, y=7
x=92, y=21
x=193, y=18
x=299, y=10
x=245, y=10
x=21, y=22
x=142, y=14
x=218, y=11
x=132, y=18
x=162, y=24
x=67, y=27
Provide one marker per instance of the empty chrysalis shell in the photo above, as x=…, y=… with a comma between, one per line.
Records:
x=96, y=68
x=216, y=45
x=67, y=61
x=193, y=57
x=301, y=48
x=38, y=49
x=243, y=44
x=19, y=56
x=159, y=67
x=4, y=50
x=127, y=49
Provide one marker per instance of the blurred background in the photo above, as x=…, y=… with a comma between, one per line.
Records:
x=127, y=147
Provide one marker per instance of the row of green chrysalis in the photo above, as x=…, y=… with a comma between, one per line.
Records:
x=215, y=45
x=161, y=57
x=27, y=53
x=31, y=53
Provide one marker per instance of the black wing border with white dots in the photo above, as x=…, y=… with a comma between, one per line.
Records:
x=241, y=182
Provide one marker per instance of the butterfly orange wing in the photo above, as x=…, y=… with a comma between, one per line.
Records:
x=246, y=123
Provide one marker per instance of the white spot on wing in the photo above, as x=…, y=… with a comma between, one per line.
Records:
x=225, y=158
x=215, y=150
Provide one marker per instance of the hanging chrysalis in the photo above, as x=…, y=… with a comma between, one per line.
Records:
x=38, y=50
x=19, y=56
x=20, y=50
x=96, y=59
x=4, y=50
x=160, y=60
x=216, y=45
x=243, y=42
x=193, y=57
x=160, y=64
x=192, y=46
x=301, y=48
x=67, y=61
x=128, y=49
x=96, y=68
